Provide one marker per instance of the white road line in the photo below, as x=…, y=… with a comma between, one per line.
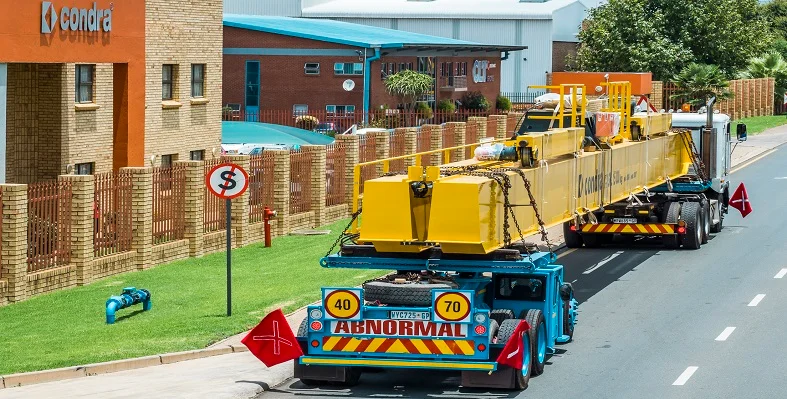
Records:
x=780, y=178
x=603, y=262
x=756, y=300
x=685, y=376
x=781, y=273
x=725, y=334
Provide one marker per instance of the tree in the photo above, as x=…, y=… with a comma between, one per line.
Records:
x=770, y=65
x=621, y=36
x=408, y=86
x=697, y=83
x=776, y=14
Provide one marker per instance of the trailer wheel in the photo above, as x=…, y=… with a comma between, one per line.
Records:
x=716, y=227
x=690, y=212
x=568, y=326
x=501, y=315
x=538, y=338
x=572, y=238
x=671, y=215
x=706, y=218
x=406, y=294
x=302, y=328
x=522, y=375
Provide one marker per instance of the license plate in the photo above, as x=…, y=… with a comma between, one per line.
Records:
x=625, y=220
x=408, y=315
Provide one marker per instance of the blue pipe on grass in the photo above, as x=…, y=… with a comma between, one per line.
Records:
x=130, y=296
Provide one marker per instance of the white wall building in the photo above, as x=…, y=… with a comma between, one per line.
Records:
x=548, y=28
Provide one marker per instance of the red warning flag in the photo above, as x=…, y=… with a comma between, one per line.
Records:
x=272, y=341
x=740, y=201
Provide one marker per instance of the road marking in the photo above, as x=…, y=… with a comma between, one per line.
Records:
x=780, y=178
x=748, y=163
x=603, y=262
x=566, y=253
x=685, y=376
x=725, y=334
x=756, y=300
x=781, y=273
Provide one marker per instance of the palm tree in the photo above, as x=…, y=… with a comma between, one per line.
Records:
x=697, y=83
x=770, y=65
x=409, y=86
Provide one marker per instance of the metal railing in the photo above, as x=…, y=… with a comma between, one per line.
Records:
x=215, y=216
x=48, y=225
x=397, y=147
x=261, y=180
x=367, y=152
x=491, y=128
x=335, y=174
x=300, y=182
x=453, y=82
x=168, y=203
x=560, y=112
x=112, y=214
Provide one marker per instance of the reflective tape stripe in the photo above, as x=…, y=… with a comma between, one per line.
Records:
x=399, y=345
x=615, y=228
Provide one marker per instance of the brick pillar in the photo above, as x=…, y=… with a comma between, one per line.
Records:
x=410, y=144
x=318, y=187
x=82, y=198
x=501, y=125
x=459, y=140
x=194, y=190
x=281, y=190
x=14, y=259
x=436, y=138
x=480, y=121
x=350, y=143
x=240, y=205
x=382, y=147
x=141, y=215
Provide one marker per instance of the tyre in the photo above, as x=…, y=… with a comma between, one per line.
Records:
x=302, y=328
x=706, y=219
x=406, y=294
x=572, y=238
x=690, y=212
x=522, y=375
x=538, y=339
x=494, y=327
x=568, y=327
x=501, y=315
x=716, y=227
x=671, y=215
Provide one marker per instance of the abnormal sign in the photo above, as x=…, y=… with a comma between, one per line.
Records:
x=227, y=181
x=76, y=19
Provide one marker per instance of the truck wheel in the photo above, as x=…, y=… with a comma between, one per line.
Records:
x=302, y=328
x=671, y=216
x=501, y=315
x=406, y=294
x=690, y=212
x=568, y=327
x=706, y=218
x=538, y=338
x=716, y=227
x=494, y=327
x=522, y=375
x=572, y=238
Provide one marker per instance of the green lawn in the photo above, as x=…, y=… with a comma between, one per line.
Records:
x=759, y=124
x=67, y=328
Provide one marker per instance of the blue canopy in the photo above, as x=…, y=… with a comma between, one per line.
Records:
x=267, y=133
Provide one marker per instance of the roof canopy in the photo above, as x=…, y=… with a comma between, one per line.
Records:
x=452, y=9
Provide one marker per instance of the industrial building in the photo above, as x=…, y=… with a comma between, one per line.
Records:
x=547, y=28
x=304, y=65
x=90, y=86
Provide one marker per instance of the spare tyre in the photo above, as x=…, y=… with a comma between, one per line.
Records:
x=410, y=293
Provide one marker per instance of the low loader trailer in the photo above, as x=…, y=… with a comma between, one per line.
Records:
x=465, y=281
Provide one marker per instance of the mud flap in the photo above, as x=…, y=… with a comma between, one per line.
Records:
x=321, y=373
x=503, y=378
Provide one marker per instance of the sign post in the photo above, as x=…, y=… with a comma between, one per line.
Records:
x=228, y=181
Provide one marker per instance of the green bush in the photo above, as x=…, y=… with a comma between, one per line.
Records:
x=446, y=106
x=423, y=109
x=475, y=100
x=503, y=103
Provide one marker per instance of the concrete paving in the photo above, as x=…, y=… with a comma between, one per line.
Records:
x=659, y=320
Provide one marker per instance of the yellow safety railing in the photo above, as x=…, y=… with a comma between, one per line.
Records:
x=576, y=109
x=386, y=163
x=619, y=100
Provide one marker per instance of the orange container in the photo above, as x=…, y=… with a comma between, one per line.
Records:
x=641, y=83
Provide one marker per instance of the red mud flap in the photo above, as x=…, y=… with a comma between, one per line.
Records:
x=503, y=378
x=650, y=229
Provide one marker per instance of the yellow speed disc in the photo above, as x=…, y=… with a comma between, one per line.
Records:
x=342, y=304
x=452, y=306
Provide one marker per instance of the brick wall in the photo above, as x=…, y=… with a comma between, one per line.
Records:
x=88, y=136
x=560, y=51
x=183, y=33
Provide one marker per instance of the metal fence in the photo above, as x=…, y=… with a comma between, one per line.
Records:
x=168, y=204
x=300, y=182
x=397, y=148
x=491, y=127
x=449, y=136
x=260, y=185
x=471, y=137
x=215, y=216
x=48, y=225
x=367, y=152
x=423, y=143
x=335, y=174
x=523, y=98
x=112, y=214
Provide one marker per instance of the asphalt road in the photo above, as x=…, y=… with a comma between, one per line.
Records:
x=655, y=323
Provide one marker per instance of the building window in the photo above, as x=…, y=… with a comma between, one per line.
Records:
x=197, y=80
x=340, y=109
x=312, y=68
x=300, y=109
x=426, y=65
x=85, y=76
x=462, y=69
x=168, y=81
x=348, y=68
x=84, y=168
x=252, y=86
x=198, y=155
x=167, y=160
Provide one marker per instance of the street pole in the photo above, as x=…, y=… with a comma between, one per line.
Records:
x=229, y=257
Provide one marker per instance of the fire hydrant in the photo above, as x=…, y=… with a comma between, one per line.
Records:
x=130, y=296
x=267, y=215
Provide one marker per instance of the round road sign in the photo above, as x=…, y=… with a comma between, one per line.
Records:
x=452, y=307
x=342, y=304
x=227, y=181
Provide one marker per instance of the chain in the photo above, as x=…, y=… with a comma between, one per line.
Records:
x=696, y=160
x=344, y=236
x=541, y=225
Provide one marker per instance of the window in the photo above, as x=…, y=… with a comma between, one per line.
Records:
x=462, y=69
x=520, y=288
x=84, y=168
x=168, y=82
x=84, y=79
x=340, y=109
x=312, y=68
x=300, y=109
x=167, y=160
x=426, y=65
x=348, y=68
x=198, y=155
x=252, y=85
x=197, y=80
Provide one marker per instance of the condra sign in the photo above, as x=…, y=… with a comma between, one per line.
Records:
x=75, y=19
